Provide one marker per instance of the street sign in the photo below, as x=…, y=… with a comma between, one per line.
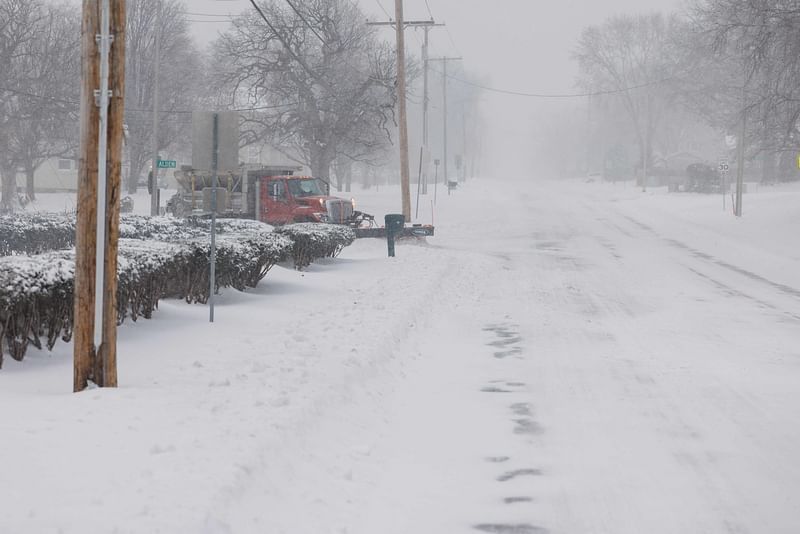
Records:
x=723, y=166
x=167, y=164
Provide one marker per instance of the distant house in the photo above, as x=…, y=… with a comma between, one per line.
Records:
x=57, y=174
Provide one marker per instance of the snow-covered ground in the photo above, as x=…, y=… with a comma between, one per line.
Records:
x=561, y=357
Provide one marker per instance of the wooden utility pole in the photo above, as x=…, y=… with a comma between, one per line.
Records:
x=400, y=25
x=401, y=97
x=95, y=344
x=426, y=155
x=444, y=61
x=426, y=25
x=154, y=201
x=107, y=375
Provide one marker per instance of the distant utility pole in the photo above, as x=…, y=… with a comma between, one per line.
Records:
x=400, y=25
x=154, y=202
x=444, y=61
x=426, y=154
x=99, y=182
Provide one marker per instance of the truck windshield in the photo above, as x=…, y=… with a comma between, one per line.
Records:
x=304, y=188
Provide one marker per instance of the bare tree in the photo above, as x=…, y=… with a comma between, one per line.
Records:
x=638, y=58
x=755, y=50
x=48, y=116
x=330, y=83
x=181, y=76
x=18, y=19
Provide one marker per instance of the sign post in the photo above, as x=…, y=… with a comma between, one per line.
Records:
x=723, y=168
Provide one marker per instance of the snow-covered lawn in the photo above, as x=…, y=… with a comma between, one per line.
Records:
x=561, y=357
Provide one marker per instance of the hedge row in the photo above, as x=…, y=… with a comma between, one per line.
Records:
x=314, y=240
x=158, y=258
x=35, y=233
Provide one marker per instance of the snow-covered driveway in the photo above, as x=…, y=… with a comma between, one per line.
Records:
x=569, y=358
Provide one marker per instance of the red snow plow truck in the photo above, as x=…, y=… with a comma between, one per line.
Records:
x=275, y=195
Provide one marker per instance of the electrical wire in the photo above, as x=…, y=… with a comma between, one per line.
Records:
x=427, y=5
x=554, y=95
x=205, y=14
x=176, y=111
x=280, y=38
x=452, y=41
x=305, y=21
x=380, y=5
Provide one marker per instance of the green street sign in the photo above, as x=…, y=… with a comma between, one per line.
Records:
x=167, y=164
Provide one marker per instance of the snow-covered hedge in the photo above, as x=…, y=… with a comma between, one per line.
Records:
x=35, y=302
x=35, y=233
x=314, y=240
x=158, y=258
x=36, y=292
x=25, y=233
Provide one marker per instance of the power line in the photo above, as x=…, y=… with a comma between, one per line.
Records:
x=380, y=5
x=452, y=41
x=205, y=14
x=282, y=40
x=25, y=93
x=305, y=21
x=555, y=95
x=178, y=111
x=427, y=5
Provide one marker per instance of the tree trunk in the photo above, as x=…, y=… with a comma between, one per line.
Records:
x=132, y=180
x=767, y=168
x=787, y=167
x=8, y=200
x=321, y=165
x=30, y=186
x=138, y=157
x=347, y=169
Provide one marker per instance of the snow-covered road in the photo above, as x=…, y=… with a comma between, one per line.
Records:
x=565, y=358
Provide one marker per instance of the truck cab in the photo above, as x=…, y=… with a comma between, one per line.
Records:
x=289, y=199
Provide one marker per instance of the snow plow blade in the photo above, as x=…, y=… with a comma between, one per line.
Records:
x=416, y=230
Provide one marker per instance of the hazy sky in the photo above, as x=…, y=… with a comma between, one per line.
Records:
x=521, y=45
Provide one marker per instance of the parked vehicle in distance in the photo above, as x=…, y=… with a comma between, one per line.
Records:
x=274, y=195
x=702, y=178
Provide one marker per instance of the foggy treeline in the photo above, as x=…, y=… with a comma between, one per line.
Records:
x=316, y=86
x=667, y=88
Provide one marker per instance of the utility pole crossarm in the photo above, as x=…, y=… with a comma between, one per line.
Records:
x=408, y=23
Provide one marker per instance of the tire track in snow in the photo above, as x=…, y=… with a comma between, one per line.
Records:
x=782, y=288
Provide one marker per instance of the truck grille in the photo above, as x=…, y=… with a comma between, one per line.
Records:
x=339, y=211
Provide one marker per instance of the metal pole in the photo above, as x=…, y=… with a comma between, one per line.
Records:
x=419, y=181
x=425, y=102
x=737, y=208
x=212, y=267
x=463, y=177
x=435, y=180
x=104, y=42
x=401, y=99
x=157, y=60
x=722, y=187
x=444, y=115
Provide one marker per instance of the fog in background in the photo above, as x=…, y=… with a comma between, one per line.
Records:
x=516, y=45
